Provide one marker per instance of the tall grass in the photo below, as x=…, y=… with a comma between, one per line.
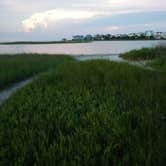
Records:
x=145, y=53
x=18, y=67
x=87, y=113
x=159, y=64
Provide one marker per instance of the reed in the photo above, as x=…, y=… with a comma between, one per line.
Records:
x=86, y=113
x=14, y=68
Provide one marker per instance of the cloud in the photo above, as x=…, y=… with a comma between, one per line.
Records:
x=31, y=6
x=160, y=26
x=84, y=9
x=42, y=19
x=112, y=28
x=60, y=17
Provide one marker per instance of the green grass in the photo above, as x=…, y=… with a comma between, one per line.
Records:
x=87, y=113
x=14, y=68
x=157, y=56
x=145, y=53
x=142, y=54
x=159, y=64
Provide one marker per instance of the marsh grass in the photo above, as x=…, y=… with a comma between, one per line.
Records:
x=14, y=68
x=159, y=64
x=145, y=53
x=87, y=113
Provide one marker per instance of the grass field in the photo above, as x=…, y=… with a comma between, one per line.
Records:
x=159, y=64
x=87, y=113
x=14, y=68
x=142, y=54
x=157, y=57
x=145, y=53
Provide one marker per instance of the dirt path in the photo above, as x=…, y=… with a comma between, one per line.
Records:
x=6, y=93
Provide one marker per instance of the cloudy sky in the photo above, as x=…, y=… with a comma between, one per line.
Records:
x=55, y=19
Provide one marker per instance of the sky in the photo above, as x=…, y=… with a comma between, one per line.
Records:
x=24, y=20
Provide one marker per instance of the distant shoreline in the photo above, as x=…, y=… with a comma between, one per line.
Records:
x=42, y=42
x=68, y=41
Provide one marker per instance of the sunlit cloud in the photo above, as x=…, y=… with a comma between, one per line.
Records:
x=81, y=11
x=43, y=19
x=113, y=28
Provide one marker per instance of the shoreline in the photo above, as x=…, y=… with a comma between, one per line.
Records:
x=42, y=42
x=70, y=41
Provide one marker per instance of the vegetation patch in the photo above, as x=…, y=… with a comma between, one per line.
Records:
x=14, y=68
x=145, y=53
x=159, y=64
x=87, y=113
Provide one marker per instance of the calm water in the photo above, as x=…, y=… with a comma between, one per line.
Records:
x=101, y=47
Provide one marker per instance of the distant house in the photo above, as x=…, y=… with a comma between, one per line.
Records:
x=158, y=35
x=78, y=37
x=131, y=34
x=139, y=34
x=99, y=37
x=149, y=33
x=164, y=35
x=88, y=37
x=123, y=35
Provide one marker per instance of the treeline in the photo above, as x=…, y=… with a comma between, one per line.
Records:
x=107, y=37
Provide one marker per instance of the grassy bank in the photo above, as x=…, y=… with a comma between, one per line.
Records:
x=87, y=113
x=142, y=54
x=18, y=67
x=156, y=55
x=145, y=54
